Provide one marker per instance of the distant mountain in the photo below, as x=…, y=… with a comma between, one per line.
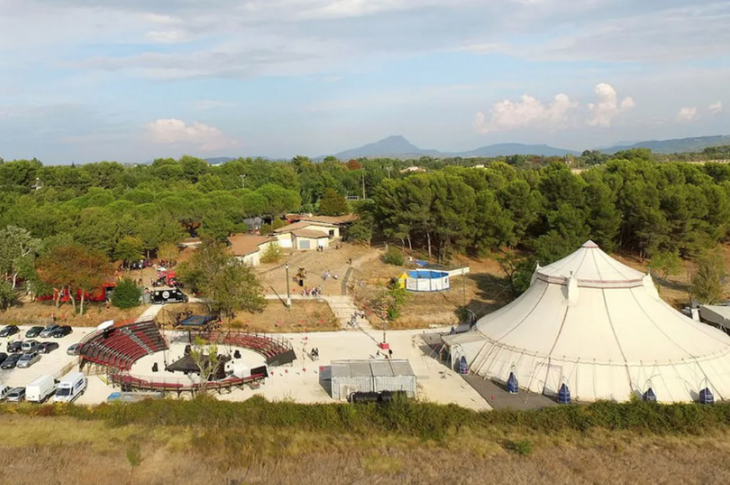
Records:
x=677, y=145
x=399, y=147
x=219, y=160
x=393, y=146
x=505, y=149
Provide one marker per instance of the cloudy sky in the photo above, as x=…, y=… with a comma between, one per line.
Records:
x=131, y=80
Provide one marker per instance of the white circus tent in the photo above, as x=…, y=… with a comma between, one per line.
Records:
x=601, y=328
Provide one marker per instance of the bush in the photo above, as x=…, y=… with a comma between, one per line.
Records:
x=394, y=256
x=272, y=253
x=126, y=294
x=359, y=232
x=522, y=447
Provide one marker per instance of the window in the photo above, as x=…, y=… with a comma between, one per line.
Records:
x=332, y=233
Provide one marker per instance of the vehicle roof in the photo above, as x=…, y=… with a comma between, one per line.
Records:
x=71, y=377
x=39, y=379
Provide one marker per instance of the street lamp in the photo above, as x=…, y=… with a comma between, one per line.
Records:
x=243, y=181
x=288, y=295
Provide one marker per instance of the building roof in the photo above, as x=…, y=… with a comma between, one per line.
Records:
x=600, y=327
x=245, y=244
x=301, y=225
x=337, y=220
x=309, y=233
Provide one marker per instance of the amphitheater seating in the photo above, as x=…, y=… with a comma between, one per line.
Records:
x=126, y=380
x=124, y=346
x=268, y=347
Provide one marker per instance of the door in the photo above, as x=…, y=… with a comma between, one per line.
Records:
x=304, y=244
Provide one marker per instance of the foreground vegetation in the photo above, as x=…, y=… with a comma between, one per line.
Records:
x=205, y=441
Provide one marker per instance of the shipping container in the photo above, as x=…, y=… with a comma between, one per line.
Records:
x=348, y=376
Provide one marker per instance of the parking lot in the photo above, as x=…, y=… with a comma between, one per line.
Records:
x=53, y=363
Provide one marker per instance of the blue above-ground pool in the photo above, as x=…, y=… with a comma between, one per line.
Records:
x=427, y=280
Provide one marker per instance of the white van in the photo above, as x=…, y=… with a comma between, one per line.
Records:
x=40, y=389
x=71, y=386
x=4, y=391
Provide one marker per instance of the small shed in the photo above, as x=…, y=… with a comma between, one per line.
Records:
x=350, y=376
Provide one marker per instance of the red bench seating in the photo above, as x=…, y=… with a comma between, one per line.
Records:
x=120, y=350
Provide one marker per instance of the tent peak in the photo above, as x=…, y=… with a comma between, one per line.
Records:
x=590, y=245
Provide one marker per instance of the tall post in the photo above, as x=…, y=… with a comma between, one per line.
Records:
x=288, y=295
x=243, y=181
x=363, y=183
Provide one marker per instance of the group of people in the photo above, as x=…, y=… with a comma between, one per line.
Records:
x=315, y=353
x=315, y=292
x=354, y=317
x=327, y=275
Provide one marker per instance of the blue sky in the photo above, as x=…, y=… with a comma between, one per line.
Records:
x=131, y=80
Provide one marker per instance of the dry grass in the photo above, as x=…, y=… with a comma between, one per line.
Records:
x=66, y=451
x=39, y=313
x=309, y=315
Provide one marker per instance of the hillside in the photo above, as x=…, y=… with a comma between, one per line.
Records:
x=399, y=147
x=677, y=145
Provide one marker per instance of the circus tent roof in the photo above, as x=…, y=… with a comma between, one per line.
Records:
x=599, y=326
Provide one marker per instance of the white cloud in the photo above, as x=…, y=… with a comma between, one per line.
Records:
x=715, y=108
x=687, y=115
x=508, y=115
x=608, y=106
x=167, y=36
x=177, y=132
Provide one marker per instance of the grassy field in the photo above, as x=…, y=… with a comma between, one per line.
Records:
x=283, y=443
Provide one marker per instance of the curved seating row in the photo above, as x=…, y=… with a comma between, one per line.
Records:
x=268, y=347
x=132, y=382
x=120, y=347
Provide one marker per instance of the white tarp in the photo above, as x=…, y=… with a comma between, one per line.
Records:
x=599, y=326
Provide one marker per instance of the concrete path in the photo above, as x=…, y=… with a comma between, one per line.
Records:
x=150, y=313
x=343, y=306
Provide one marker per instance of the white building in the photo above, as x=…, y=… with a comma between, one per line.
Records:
x=601, y=328
x=306, y=235
x=249, y=248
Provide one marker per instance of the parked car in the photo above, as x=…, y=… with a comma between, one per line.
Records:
x=48, y=331
x=3, y=356
x=16, y=394
x=29, y=346
x=47, y=347
x=11, y=361
x=9, y=330
x=73, y=349
x=15, y=346
x=4, y=391
x=62, y=331
x=33, y=332
x=27, y=360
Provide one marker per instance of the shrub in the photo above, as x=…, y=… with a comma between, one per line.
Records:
x=126, y=294
x=394, y=256
x=359, y=232
x=272, y=253
x=522, y=447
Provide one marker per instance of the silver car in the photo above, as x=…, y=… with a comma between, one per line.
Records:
x=48, y=331
x=16, y=394
x=28, y=360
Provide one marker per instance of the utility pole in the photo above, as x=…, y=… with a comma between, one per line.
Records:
x=243, y=181
x=363, y=183
x=389, y=169
x=288, y=295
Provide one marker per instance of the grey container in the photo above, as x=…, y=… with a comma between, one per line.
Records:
x=395, y=375
x=350, y=376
